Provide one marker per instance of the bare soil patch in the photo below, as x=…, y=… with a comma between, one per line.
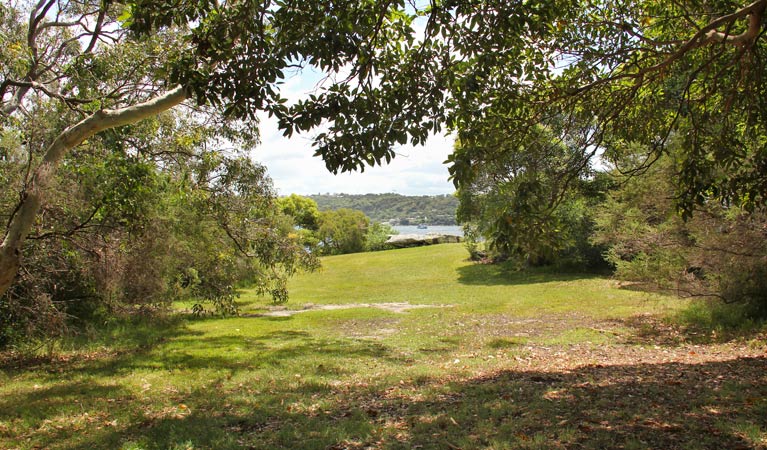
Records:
x=395, y=307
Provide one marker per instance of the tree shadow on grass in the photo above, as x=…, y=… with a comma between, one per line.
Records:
x=111, y=345
x=43, y=408
x=272, y=350
x=145, y=348
x=671, y=406
x=703, y=321
x=41, y=400
x=57, y=409
x=234, y=354
x=503, y=275
x=712, y=405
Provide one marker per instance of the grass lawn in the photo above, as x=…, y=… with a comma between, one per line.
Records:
x=490, y=359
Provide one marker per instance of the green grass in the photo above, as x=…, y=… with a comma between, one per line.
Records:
x=483, y=368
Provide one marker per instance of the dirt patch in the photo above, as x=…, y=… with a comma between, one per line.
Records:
x=395, y=307
x=508, y=326
x=377, y=328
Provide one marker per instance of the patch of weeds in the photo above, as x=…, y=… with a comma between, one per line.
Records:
x=443, y=345
x=131, y=331
x=750, y=432
x=421, y=380
x=567, y=434
x=132, y=446
x=579, y=336
x=324, y=369
x=714, y=321
x=635, y=444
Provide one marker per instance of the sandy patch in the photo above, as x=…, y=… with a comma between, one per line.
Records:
x=395, y=307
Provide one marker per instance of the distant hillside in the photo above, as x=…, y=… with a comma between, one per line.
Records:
x=395, y=208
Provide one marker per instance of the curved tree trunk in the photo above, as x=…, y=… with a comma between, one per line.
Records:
x=22, y=221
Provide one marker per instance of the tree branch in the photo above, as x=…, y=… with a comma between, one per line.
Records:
x=706, y=35
x=45, y=90
x=96, y=30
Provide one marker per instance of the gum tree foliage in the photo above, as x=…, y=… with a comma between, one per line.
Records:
x=611, y=72
x=377, y=236
x=343, y=231
x=720, y=252
x=514, y=198
x=305, y=219
x=303, y=210
x=72, y=69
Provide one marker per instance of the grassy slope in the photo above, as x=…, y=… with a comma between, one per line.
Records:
x=515, y=361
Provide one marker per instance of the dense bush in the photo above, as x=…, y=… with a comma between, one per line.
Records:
x=336, y=231
x=343, y=231
x=516, y=201
x=377, y=236
x=139, y=219
x=719, y=253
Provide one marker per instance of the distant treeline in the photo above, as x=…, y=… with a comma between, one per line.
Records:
x=395, y=208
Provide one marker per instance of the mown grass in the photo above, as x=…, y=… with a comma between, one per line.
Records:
x=485, y=367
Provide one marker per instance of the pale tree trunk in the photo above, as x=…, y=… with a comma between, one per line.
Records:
x=34, y=195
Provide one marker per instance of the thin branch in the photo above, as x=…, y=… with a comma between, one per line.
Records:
x=45, y=90
x=730, y=252
x=689, y=294
x=69, y=233
x=35, y=17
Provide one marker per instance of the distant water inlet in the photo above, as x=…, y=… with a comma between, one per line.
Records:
x=451, y=230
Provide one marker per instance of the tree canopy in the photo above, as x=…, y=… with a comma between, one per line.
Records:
x=610, y=74
x=303, y=210
x=343, y=231
x=604, y=75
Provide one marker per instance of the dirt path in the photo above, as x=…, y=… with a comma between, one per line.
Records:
x=395, y=307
